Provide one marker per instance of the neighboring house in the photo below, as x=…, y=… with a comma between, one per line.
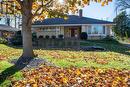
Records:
x=73, y=27
x=7, y=31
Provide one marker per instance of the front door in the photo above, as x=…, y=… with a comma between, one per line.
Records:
x=74, y=32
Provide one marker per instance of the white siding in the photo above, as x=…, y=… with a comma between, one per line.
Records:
x=62, y=30
x=83, y=28
x=55, y=31
x=109, y=30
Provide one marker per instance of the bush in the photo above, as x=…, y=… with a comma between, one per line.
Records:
x=3, y=41
x=84, y=36
x=17, y=38
x=60, y=36
x=47, y=37
x=110, y=39
x=41, y=37
x=53, y=37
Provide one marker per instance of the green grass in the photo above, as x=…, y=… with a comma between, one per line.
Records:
x=4, y=65
x=116, y=56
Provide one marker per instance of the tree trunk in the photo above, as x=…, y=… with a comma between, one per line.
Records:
x=28, y=53
x=26, y=29
x=27, y=39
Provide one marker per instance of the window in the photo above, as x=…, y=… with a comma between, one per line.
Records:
x=49, y=29
x=89, y=29
x=96, y=29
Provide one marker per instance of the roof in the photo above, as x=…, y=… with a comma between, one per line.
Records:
x=7, y=28
x=72, y=19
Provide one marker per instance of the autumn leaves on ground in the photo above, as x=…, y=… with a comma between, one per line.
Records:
x=75, y=68
x=73, y=77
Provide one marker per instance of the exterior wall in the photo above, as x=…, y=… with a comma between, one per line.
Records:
x=50, y=32
x=104, y=30
x=56, y=31
x=108, y=31
x=67, y=33
x=84, y=28
x=61, y=30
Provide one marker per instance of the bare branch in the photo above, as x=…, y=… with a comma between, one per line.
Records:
x=123, y=4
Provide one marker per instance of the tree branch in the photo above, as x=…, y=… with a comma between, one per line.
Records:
x=20, y=2
x=42, y=6
x=123, y=4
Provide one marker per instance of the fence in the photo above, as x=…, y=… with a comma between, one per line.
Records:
x=58, y=43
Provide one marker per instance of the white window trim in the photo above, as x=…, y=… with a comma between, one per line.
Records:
x=96, y=34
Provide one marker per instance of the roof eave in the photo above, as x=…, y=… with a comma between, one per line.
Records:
x=71, y=25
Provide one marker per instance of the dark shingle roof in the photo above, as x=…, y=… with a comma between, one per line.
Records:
x=72, y=19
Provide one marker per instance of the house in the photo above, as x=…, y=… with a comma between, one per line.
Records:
x=73, y=27
x=6, y=31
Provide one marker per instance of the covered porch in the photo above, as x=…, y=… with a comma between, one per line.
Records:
x=71, y=32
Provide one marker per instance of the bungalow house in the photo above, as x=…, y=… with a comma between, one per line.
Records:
x=73, y=27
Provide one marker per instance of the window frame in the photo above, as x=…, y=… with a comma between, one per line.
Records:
x=91, y=27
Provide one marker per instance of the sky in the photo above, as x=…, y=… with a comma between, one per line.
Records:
x=95, y=10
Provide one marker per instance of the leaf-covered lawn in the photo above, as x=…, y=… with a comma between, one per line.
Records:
x=116, y=55
x=115, y=58
x=73, y=77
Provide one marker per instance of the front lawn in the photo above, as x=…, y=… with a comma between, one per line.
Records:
x=115, y=56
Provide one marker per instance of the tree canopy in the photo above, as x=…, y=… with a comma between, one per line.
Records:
x=41, y=9
x=122, y=27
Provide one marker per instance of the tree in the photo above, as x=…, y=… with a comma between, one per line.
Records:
x=32, y=10
x=122, y=28
x=123, y=4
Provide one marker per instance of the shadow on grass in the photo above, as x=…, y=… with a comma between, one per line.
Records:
x=19, y=65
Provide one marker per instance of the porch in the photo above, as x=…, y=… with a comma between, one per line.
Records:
x=72, y=32
x=51, y=31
